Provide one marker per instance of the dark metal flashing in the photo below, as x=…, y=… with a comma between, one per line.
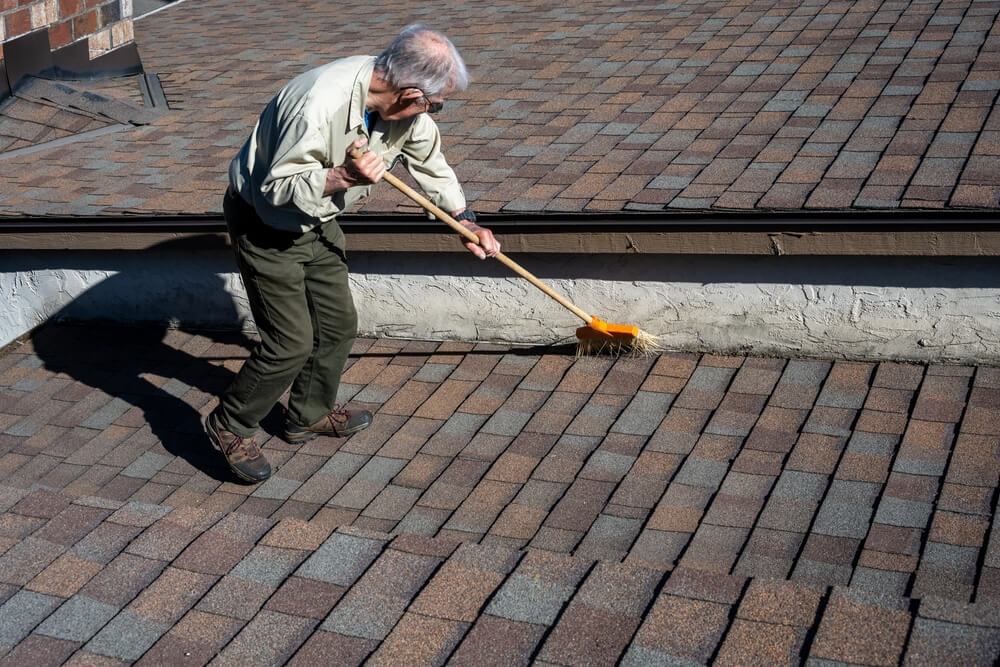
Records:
x=833, y=233
x=622, y=221
x=152, y=91
x=4, y=84
x=73, y=61
x=28, y=55
x=32, y=55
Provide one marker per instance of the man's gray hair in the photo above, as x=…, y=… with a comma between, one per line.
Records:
x=423, y=58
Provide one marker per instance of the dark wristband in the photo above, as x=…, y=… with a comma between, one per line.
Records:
x=467, y=214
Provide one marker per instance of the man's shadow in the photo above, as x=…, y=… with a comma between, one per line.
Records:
x=169, y=371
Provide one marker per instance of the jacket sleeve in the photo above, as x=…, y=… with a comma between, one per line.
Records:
x=296, y=175
x=428, y=166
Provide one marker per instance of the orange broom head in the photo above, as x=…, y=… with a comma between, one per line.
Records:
x=601, y=330
x=600, y=337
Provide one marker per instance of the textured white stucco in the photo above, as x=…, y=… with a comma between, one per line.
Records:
x=860, y=308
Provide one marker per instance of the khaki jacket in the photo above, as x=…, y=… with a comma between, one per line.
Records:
x=306, y=129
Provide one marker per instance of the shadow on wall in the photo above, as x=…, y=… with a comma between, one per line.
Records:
x=137, y=366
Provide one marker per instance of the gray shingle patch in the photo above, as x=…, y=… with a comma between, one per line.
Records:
x=813, y=425
x=842, y=520
x=644, y=413
x=981, y=84
x=905, y=513
x=670, y=182
x=147, y=465
x=967, y=38
x=871, y=598
x=21, y=613
x=345, y=392
x=582, y=445
x=342, y=465
x=580, y=133
x=809, y=373
x=268, y=565
x=522, y=150
x=424, y=521
x=800, y=485
x=431, y=372
x=680, y=76
x=951, y=555
x=127, y=636
x=27, y=384
x=175, y=387
x=78, y=619
x=613, y=529
x=746, y=485
x=833, y=398
x=781, y=105
x=463, y=423
x=139, y=514
x=839, y=77
x=529, y=600
x=488, y=132
x=341, y=559
x=702, y=472
x=856, y=493
x=31, y=362
x=640, y=656
x=380, y=469
x=878, y=444
x=277, y=488
x=374, y=395
x=506, y=422
x=902, y=90
x=884, y=582
x=821, y=574
x=619, y=129
x=366, y=613
x=797, y=51
x=10, y=496
x=107, y=414
x=610, y=462
x=710, y=378
x=919, y=466
x=749, y=69
x=812, y=110
x=782, y=68
x=659, y=546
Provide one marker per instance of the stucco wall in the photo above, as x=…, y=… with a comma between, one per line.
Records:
x=876, y=307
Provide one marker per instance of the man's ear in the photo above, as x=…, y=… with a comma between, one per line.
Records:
x=410, y=94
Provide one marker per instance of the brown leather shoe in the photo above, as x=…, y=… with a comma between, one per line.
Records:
x=339, y=422
x=242, y=454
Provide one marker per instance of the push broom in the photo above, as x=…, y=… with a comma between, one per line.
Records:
x=596, y=337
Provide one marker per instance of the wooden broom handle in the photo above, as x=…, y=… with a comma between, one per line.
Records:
x=428, y=205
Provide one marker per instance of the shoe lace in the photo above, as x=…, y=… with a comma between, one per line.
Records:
x=339, y=414
x=247, y=446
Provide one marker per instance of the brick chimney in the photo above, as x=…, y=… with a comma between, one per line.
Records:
x=65, y=38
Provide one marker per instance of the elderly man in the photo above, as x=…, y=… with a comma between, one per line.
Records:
x=289, y=182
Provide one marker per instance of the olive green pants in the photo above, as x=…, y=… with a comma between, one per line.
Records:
x=301, y=302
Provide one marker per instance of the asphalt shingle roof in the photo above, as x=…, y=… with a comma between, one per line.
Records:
x=592, y=107
x=676, y=508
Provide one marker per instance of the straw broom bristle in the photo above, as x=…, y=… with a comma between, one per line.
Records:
x=641, y=345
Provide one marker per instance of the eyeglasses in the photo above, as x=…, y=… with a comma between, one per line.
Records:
x=431, y=107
